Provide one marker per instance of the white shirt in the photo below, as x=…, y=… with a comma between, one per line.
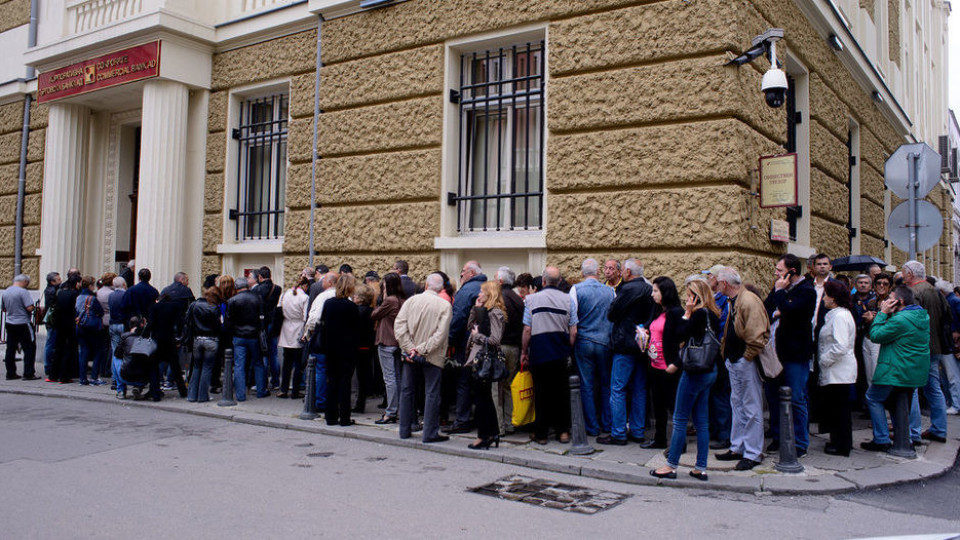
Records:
x=316, y=310
x=838, y=365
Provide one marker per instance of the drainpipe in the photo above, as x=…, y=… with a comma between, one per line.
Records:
x=315, y=154
x=24, y=139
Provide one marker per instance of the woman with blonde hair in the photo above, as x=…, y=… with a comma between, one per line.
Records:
x=228, y=289
x=693, y=391
x=339, y=341
x=486, y=322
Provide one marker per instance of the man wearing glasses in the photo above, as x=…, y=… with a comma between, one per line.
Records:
x=871, y=351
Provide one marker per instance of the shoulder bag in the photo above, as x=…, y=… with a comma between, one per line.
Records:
x=490, y=365
x=700, y=355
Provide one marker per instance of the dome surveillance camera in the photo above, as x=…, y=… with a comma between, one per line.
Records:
x=774, y=87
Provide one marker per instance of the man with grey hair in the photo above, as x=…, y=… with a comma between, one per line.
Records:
x=612, y=274
x=18, y=304
x=914, y=276
x=592, y=300
x=746, y=333
x=632, y=307
x=510, y=345
x=421, y=328
x=471, y=278
x=549, y=331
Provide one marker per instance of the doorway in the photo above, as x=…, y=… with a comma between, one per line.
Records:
x=128, y=183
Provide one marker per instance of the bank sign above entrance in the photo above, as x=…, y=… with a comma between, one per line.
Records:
x=113, y=69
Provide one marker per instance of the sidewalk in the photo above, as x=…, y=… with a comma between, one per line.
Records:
x=823, y=474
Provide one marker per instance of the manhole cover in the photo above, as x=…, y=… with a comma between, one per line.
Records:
x=550, y=494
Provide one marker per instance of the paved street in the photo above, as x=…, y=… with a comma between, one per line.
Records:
x=80, y=469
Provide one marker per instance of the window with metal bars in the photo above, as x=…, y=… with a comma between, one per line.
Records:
x=262, y=171
x=501, y=152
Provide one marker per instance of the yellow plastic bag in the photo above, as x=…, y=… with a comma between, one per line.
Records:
x=522, y=390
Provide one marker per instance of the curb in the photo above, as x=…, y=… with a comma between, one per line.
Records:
x=835, y=484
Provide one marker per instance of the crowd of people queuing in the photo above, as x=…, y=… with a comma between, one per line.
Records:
x=702, y=349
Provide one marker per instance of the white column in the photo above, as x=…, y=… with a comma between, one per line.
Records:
x=64, y=179
x=163, y=165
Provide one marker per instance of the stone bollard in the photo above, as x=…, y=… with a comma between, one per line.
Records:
x=788, y=448
x=227, y=395
x=902, y=445
x=578, y=433
x=310, y=399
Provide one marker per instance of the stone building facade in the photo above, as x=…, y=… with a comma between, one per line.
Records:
x=519, y=133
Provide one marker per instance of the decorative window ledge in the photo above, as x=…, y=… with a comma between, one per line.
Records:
x=251, y=246
x=491, y=241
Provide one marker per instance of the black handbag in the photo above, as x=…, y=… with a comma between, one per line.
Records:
x=490, y=365
x=700, y=355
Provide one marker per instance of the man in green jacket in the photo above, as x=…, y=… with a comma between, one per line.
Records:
x=902, y=329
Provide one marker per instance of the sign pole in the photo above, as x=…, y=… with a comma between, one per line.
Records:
x=914, y=161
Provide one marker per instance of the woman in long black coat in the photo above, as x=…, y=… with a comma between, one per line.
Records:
x=340, y=340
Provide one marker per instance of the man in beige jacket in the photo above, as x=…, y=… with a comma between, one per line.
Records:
x=421, y=328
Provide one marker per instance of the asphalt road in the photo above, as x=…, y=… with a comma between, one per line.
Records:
x=78, y=469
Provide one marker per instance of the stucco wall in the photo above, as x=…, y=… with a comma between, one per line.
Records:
x=11, y=122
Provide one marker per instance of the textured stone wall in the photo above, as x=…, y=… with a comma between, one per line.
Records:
x=14, y=13
x=11, y=122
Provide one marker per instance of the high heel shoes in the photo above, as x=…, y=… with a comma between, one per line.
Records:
x=484, y=444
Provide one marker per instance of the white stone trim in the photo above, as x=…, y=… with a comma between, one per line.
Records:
x=112, y=187
x=251, y=246
x=491, y=241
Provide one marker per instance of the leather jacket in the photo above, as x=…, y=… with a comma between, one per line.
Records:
x=203, y=319
x=243, y=318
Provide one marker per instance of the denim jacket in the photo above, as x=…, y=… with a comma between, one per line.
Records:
x=593, y=300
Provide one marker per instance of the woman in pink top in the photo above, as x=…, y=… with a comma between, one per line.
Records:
x=663, y=350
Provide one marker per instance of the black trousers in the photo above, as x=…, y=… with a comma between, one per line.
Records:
x=836, y=400
x=66, y=354
x=662, y=390
x=551, y=397
x=339, y=376
x=364, y=376
x=292, y=361
x=20, y=335
x=168, y=353
x=486, y=412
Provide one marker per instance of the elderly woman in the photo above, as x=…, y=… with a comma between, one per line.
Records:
x=293, y=303
x=104, y=290
x=838, y=365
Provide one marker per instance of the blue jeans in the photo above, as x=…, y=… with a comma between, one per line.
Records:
x=693, y=398
x=936, y=400
x=320, y=379
x=91, y=348
x=390, y=366
x=244, y=349
x=876, y=395
x=48, y=350
x=795, y=375
x=204, y=357
x=593, y=363
x=628, y=371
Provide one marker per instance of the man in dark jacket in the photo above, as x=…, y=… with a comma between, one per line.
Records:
x=140, y=298
x=179, y=290
x=49, y=300
x=631, y=307
x=66, y=355
x=471, y=277
x=401, y=267
x=792, y=301
x=243, y=323
x=127, y=273
x=270, y=296
x=510, y=345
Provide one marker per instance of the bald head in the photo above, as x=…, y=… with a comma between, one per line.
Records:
x=551, y=276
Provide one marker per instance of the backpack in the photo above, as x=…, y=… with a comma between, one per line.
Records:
x=87, y=319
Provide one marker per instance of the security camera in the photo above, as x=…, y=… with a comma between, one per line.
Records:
x=774, y=86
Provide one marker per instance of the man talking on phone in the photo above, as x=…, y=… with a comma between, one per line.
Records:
x=902, y=329
x=792, y=301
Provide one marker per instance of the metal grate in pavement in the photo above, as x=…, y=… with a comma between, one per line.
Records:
x=550, y=494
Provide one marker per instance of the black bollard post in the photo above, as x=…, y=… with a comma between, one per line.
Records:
x=902, y=446
x=310, y=399
x=227, y=395
x=578, y=433
x=788, y=449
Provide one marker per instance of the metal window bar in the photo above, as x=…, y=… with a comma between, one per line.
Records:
x=490, y=101
x=261, y=175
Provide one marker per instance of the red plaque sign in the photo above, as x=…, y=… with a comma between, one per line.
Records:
x=116, y=68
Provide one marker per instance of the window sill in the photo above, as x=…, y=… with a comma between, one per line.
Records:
x=493, y=240
x=251, y=246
